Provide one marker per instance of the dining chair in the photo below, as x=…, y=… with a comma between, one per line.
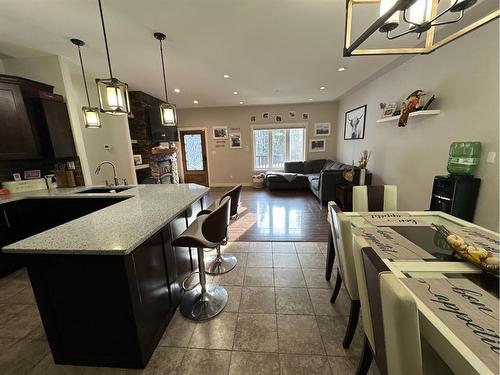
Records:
x=375, y=198
x=340, y=227
x=406, y=352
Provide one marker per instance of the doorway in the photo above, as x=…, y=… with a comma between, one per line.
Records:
x=194, y=156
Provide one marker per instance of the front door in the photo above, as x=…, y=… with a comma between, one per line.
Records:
x=194, y=156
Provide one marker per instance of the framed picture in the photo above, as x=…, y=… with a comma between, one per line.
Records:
x=317, y=145
x=322, y=129
x=253, y=118
x=220, y=132
x=278, y=118
x=17, y=176
x=265, y=115
x=292, y=114
x=354, y=126
x=137, y=159
x=235, y=140
x=305, y=116
x=389, y=109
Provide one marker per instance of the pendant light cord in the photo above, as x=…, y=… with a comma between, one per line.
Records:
x=105, y=39
x=163, y=70
x=83, y=74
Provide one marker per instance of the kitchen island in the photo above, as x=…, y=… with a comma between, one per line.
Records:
x=107, y=282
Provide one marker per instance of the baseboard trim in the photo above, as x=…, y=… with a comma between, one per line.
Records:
x=228, y=184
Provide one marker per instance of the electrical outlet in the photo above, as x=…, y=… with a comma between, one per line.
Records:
x=70, y=165
x=491, y=157
x=107, y=146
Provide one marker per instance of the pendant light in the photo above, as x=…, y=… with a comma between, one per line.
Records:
x=113, y=94
x=168, y=112
x=393, y=21
x=90, y=114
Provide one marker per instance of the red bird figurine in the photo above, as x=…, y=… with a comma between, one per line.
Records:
x=411, y=104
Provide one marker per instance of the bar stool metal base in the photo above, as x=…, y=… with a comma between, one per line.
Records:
x=220, y=263
x=198, y=306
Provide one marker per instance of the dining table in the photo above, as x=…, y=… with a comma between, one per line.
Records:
x=458, y=303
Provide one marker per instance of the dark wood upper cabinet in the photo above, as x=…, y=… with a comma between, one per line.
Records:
x=33, y=123
x=18, y=139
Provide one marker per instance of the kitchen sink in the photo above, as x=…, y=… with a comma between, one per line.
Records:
x=106, y=190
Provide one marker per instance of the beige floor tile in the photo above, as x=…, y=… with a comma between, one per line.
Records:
x=236, y=247
x=165, y=361
x=289, y=277
x=259, y=277
x=307, y=247
x=233, y=277
x=209, y=362
x=178, y=332
x=256, y=333
x=315, y=278
x=283, y=247
x=21, y=357
x=257, y=300
x=312, y=260
x=333, y=329
x=234, y=298
x=260, y=260
x=6, y=344
x=25, y=297
x=348, y=365
x=260, y=247
x=323, y=247
x=8, y=311
x=304, y=365
x=281, y=260
x=9, y=288
x=21, y=324
x=320, y=299
x=299, y=334
x=215, y=333
x=245, y=363
x=293, y=301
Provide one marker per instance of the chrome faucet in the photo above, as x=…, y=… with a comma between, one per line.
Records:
x=115, y=177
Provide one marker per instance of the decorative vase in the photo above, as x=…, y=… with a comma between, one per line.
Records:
x=362, y=176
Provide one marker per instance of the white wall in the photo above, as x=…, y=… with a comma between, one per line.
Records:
x=67, y=81
x=2, y=68
x=230, y=166
x=464, y=76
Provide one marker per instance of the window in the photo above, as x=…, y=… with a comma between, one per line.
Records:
x=273, y=147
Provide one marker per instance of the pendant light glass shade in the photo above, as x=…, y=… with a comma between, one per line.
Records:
x=417, y=13
x=168, y=112
x=393, y=21
x=90, y=114
x=113, y=94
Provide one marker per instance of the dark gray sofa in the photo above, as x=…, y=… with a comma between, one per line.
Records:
x=321, y=176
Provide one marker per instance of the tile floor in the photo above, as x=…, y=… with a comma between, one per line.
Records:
x=278, y=321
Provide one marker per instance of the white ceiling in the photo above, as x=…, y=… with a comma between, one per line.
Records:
x=275, y=51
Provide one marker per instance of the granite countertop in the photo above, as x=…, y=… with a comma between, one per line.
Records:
x=115, y=230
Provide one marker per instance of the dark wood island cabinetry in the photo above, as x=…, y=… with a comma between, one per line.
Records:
x=107, y=303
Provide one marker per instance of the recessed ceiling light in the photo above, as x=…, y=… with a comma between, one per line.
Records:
x=310, y=99
x=241, y=102
x=235, y=92
x=195, y=101
x=177, y=90
x=226, y=75
x=341, y=69
x=322, y=88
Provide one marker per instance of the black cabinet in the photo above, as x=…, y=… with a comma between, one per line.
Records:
x=18, y=139
x=34, y=122
x=455, y=195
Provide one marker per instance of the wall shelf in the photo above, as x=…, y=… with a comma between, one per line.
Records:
x=141, y=166
x=429, y=112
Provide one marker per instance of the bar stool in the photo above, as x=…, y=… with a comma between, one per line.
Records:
x=204, y=301
x=222, y=263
